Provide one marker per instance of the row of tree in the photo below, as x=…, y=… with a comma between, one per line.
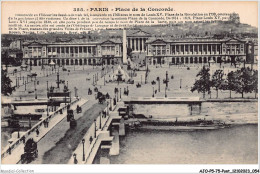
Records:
x=244, y=80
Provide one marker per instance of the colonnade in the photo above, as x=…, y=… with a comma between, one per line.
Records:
x=137, y=43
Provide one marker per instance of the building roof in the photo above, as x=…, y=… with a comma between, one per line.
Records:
x=138, y=33
x=170, y=40
x=75, y=41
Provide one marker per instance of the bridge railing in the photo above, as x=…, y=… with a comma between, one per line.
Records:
x=8, y=150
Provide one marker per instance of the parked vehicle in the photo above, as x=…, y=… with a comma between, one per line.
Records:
x=30, y=152
x=70, y=115
x=73, y=123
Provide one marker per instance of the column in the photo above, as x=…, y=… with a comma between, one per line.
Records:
x=69, y=51
x=138, y=44
x=37, y=50
x=188, y=48
x=134, y=44
x=131, y=43
x=193, y=49
x=207, y=48
x=143, y=45
x=211, y=45
x=184, y=48
x=51, y=52
x=198, y=48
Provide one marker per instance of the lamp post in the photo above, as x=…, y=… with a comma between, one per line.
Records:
x=47, y=87
x=95, y=128
x=165, y=92
x=107, y=108
x=180, y=83
x=120, y=93
x=35, y=90
x=104, y=80
x=83, y=142
x=158, y=79
x=153, y=91
x=166, y=82
x=93, y=79
x=18, y=136
x=100, y=120
x=110, y=104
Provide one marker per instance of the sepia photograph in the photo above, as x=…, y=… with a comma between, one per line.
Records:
x=144, y=83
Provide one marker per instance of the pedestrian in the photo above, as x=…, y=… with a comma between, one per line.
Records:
x=47, y=122
x=37, y=132
x=114, y=101
x=44, y=123
x=90, y=139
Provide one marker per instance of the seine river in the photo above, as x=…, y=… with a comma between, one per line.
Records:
x=234, y=145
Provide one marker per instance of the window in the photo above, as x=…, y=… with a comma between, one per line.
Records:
x=182, y=48
x=186, y=48
x=173, y=49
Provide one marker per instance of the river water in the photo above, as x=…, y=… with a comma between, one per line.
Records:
x=234, y=145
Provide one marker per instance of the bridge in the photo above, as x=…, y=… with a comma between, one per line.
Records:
x=12, y=153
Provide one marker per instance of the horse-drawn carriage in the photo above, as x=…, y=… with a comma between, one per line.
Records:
x=101, y=98
x=153, y=82
x=96, y=89
x=79, y=109
x=130, y=81
x=30, y=151
x=70, y=115
x=73, y=123
x=138, y=85
x=89, y=91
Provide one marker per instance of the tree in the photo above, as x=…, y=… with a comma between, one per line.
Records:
x=234, y=18
x=5, y=59
x=231, y=82
x=243, y=81
x=217, y=80
x=203, y=84
x=255, y=81
x=7, y=89
x=129, y=52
